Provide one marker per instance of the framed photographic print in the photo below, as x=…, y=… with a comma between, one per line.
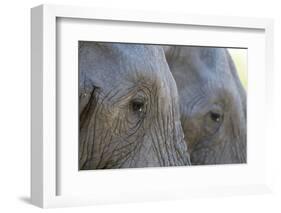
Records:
x=130, y=106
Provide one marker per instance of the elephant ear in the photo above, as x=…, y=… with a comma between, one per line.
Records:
x=238, y=83
x=89, y=73
x=88, y=92
x=92, y=76
x=241, y=127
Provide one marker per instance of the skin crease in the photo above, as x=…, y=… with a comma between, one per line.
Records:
x=128, y=108
x=212, y=104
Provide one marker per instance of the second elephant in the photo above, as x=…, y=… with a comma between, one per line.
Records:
x=212, y=104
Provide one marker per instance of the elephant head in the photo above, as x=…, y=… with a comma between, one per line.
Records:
x=212, y=104
x=128, y=107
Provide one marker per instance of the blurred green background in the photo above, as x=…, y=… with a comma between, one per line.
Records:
x=239, y=57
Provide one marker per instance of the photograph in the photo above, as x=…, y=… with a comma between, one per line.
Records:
x=150, y=105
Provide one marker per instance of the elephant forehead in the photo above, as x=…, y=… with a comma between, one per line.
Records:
x=199, y=67
x=216, y=64
x=203, y=77
x=141, y=60
x=112, y=65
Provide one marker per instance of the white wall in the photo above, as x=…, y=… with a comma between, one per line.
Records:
x=15, y=99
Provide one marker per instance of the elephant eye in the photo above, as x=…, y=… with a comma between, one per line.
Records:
x=137, y=106
x=213, y=121
x=216, y=117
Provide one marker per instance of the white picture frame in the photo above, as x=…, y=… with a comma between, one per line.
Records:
x=44, y=154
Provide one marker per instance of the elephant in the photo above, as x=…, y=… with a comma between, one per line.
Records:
x=213, y=104
x=128, y=108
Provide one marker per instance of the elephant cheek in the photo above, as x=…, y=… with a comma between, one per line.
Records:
x=168, y=145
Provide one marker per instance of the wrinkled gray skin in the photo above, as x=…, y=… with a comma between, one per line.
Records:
x=129, y=113
x=212, y=104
